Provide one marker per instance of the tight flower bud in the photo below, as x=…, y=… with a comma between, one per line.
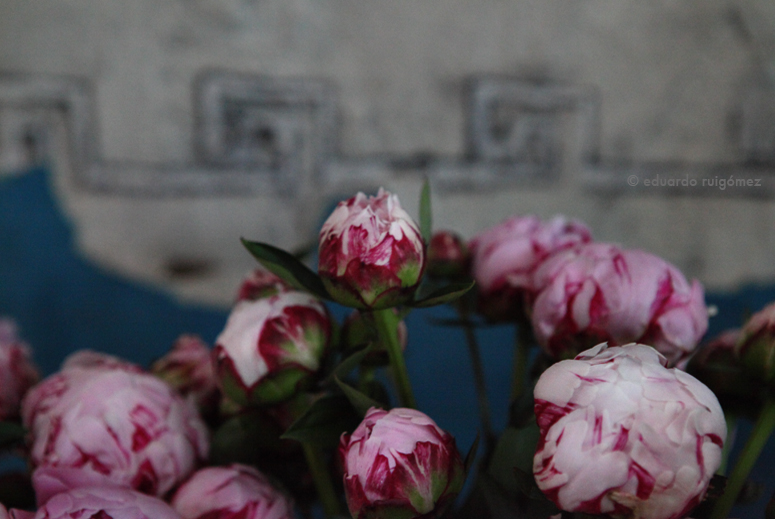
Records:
x=621, y=434
x=17, y=372
x=271, y=347
x=448, y=255
x=104, y=503
x=260, y=283
x=371, y=252
x=188, y=368
x=599, y=292
x=756, y=345
x=504, y=258
x=399, y=463
x=96, y=426
x=231, y=492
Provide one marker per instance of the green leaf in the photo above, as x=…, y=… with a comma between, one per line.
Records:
x=471, y=455
x=324, y=422
x=360, y=402
x=11, y=433
x=515, y=450
x=426, y=215
x=245, y=438
x=350, y=363
x=443, y=295
x=287, y=267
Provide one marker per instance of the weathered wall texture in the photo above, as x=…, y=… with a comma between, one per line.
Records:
x=607, y=93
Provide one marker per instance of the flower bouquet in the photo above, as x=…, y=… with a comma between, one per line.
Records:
x=614, y=410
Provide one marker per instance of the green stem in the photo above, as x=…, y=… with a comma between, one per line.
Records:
x=731, y=420
x=762, y=430
x=322, y=479
x=387, y=327
x=479, y=381
x=523, y=339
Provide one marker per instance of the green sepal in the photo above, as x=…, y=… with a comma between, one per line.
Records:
x=443, y=295
x=359, y=401
x=287, y=267
x=426, y=215
x=324, y=422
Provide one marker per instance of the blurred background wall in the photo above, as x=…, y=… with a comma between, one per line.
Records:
x=173, y=127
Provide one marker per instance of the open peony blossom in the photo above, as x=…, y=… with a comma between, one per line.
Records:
x=97, y=426
x=104, y=503
x=371, y=252
x=17, y=372
x=399, y=463
x=622, y=434
x=271, y=347
x=504, y=258
x=236, y=491
x=599, y=292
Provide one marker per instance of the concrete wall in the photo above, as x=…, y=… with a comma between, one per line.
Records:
x=550, y=106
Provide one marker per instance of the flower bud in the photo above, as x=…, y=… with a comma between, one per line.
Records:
x=271, y=347
x=230, y=492
x=621, y=434
x=17, y=372
x=103, y=503
x=756, y=345
x=448, y=255
x=359, y=329
x=188, y=368
x=371, y=252
x=259, y=284
x=399, y=463
x=93, y=427
x=504, y=258
x=599, y=292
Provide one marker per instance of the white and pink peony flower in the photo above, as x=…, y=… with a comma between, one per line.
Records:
x=601, y=293
x=97, y=426
x=620, y=433
x=399, y=463
x=231, y=492
x=371, y=253
x=103, y=503
x=271, y=347
x=504, y=258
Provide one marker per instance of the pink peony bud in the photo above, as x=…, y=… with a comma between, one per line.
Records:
x=17, y=372
x=599, y=292
x=756, y=345
x=259, y=284
x=504, y=258
x=271, y=347
x=188, y=368
x=92, y=427
x=621, y=434
x=399, y=463
x=231, y=492
x=448, y=255
x=371, y=252
x=104, y=503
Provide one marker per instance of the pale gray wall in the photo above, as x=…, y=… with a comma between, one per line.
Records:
x=681, y=87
